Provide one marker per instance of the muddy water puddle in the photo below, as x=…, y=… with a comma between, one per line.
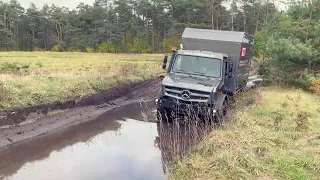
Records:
x=119, y=144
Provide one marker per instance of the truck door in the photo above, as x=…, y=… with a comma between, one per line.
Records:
x=229, y=78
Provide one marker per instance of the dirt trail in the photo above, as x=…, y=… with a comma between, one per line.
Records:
x=55, y=122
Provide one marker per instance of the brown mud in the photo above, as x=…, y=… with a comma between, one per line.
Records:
x=40, y=148
x=27, y=123
x=20, y=115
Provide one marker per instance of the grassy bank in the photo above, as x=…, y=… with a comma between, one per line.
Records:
x=31, y=78
x=275, y=134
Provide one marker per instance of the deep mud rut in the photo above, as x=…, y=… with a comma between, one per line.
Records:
x=118, y=144
x=10, y=135
x=112, y=140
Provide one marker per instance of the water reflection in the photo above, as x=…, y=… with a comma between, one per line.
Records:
x=175, y=140
x=110, y=155
x=125, y=143
x=37, y=149
x=102, y=149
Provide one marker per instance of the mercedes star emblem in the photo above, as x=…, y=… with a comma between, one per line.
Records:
x=185, y=94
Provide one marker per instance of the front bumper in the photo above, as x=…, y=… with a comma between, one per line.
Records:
x=181, y=106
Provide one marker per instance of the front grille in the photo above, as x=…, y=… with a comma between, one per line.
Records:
x=193, y=96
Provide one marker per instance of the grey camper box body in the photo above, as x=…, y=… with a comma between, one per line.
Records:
x=230, y=43
x=206, y=95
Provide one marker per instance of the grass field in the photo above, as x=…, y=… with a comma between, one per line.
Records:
x=274, y=134
x=31, y=78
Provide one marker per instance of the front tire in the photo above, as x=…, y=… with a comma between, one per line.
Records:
x=221, y=113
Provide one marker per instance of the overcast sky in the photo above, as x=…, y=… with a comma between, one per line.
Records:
x=66, y=3
x=73, y=3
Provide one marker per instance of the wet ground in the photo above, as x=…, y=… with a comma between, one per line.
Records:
x=58, y=120
x=116, y=145
x=116, y=140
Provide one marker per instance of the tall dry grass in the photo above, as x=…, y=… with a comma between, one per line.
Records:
x=270, y=133
x=273, y=134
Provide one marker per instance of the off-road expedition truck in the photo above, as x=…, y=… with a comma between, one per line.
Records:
x=209, y=69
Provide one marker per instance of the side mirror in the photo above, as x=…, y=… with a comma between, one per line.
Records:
x=165, y=60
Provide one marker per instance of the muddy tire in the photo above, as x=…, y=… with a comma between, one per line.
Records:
x=221, y=113
x=164, y=115
x=224, y=108
x=230, y=103
x=218, y=117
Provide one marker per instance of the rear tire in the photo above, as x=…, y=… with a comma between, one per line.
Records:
x=164, y=115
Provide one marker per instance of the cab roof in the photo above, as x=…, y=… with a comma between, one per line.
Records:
x=202, y=54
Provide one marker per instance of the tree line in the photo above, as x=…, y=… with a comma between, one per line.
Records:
x=288, y=46
x=128, y=26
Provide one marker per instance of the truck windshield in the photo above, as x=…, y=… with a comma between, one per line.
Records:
x=197, y=65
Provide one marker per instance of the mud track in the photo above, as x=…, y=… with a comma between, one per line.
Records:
x=23, y=124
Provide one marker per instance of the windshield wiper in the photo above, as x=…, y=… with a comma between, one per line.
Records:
x=182, y=71
x=201, y=74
